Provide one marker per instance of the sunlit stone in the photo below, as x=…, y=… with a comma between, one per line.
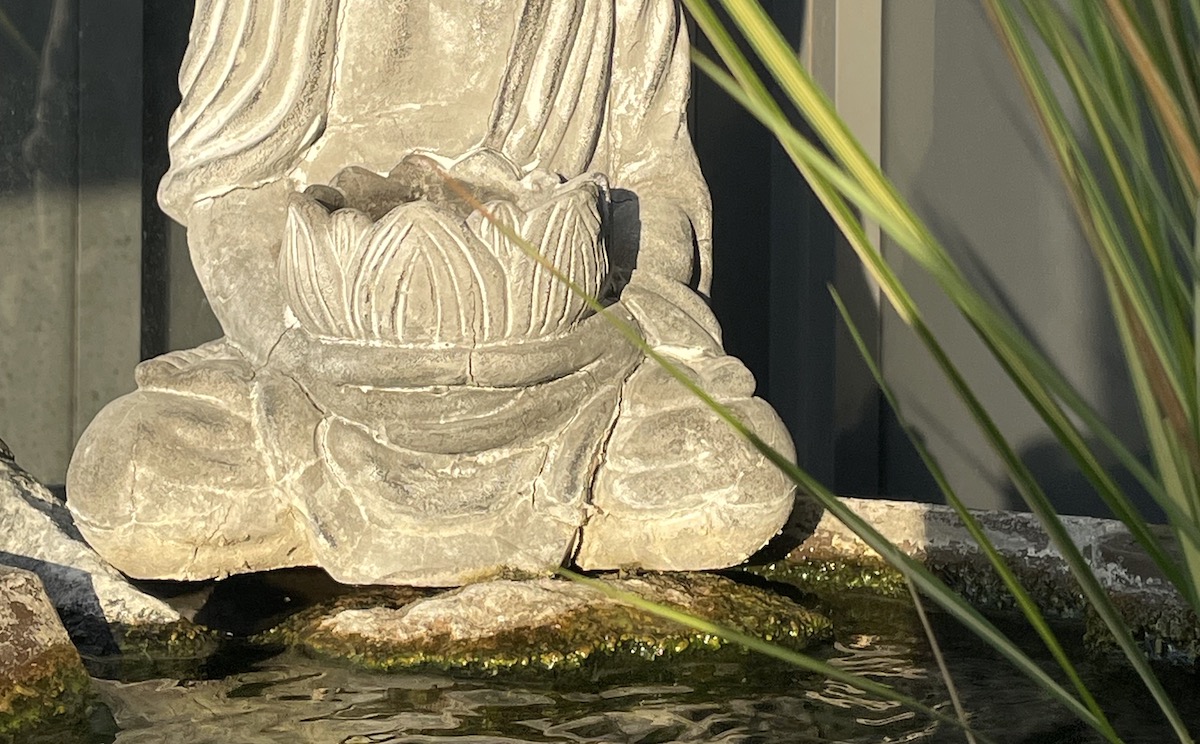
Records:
x=402, y=394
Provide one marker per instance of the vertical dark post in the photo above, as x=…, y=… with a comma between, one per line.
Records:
x=802, y=267
x=166, y=24
x=773, y=248
x=735, y=152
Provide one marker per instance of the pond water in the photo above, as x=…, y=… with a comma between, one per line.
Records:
x=289, y=698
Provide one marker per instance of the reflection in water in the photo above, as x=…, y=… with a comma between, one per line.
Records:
x=744, y=700
x=296, y=700
x=867, y=656
x=293, y=699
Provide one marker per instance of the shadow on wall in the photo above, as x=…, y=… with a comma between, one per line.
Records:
x=1105, y=383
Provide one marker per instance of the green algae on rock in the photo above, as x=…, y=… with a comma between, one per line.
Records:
x=542, y=623
x=139, y=652
x=834, y=576
x=1161, y=621
x=54, y=690
x=968, y=574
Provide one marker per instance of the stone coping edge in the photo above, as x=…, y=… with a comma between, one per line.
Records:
x=922, y=530
x=831, y=555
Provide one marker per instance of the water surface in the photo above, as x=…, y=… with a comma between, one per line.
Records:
x=293, y=699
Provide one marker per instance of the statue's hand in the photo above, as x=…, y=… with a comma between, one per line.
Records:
x=234, y=241
x=673, y=318
x=197, y=370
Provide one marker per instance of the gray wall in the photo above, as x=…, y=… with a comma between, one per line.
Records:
x=70, y=220
x=960, y=142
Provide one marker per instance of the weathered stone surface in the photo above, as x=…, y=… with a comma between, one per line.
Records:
x=37, y=534
x=403, y=395
x=829, y=560
x=41, y=674
x=548, y=623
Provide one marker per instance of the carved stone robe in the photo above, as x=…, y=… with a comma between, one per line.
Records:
x=577, y=85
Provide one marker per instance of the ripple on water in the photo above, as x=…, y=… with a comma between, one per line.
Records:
x=291, y=699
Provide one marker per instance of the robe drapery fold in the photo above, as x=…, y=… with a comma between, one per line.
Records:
x=553, y=94
x=588, y=85
x=245, y=122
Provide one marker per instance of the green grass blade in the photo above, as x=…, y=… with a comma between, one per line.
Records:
x=1155, y=353
x=1164, y=381
x=1182, y=71
x=1170, y=298
x=1195, y=512
x=1165, y=105
x=821, y=174
x=1126, y=154
x=1024, y=601
x=1015, y=352
x=1012, y=351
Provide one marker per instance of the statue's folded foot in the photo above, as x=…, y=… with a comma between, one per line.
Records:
x=678, y=488
x=172, y=483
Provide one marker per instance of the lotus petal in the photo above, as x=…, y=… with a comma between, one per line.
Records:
x=424, y=278
x=519, y=268
x=316, y=248
x=567, y=230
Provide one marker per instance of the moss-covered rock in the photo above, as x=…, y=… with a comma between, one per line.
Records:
x=970, y=575
x=541, y=623
x=1167, y=629
x=42, y=679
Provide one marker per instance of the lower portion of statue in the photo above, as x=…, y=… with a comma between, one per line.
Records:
x=215, y=466
x=408, y=393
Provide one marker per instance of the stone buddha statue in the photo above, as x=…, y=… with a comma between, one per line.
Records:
x=402, y=395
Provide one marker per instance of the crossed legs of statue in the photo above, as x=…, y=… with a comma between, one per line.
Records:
x=185, y=449
x=201, y=442
x=677, y=484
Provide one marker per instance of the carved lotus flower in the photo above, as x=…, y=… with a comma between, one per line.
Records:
x=402, y=259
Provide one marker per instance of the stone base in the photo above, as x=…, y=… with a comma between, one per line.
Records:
x=830, y=559
x=541, y=623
